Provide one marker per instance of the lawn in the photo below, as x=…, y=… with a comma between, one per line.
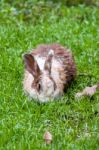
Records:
x=74, y=124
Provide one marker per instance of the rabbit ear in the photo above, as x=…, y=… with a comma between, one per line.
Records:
x=31, y=65
x=48, y=61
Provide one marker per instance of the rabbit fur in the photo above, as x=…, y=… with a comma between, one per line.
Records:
x=49, y=69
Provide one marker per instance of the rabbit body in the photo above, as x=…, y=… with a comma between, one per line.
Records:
x=49, y=69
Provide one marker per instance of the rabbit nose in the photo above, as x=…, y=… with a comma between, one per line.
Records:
x=52, y=84
x=48, y=84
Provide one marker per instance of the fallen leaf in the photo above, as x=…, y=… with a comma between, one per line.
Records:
x=48, y=137
x=88, y=91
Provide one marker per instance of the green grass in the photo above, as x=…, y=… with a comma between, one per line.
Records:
x=73, y=124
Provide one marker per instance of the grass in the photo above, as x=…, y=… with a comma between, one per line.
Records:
x=73, y=124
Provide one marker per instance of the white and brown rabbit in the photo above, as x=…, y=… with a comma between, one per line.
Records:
x=49, y=69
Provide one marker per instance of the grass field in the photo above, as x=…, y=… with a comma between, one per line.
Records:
x=73, y=123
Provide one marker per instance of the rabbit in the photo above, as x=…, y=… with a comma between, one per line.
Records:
x=49, y=69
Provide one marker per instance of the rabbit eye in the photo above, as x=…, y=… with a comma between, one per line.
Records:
x=39, y=87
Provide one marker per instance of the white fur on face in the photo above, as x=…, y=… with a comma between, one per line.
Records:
x=47, y=85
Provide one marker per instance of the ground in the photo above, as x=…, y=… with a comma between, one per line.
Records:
x=74, y=124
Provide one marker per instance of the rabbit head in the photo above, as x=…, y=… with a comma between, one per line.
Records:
x=42, y=85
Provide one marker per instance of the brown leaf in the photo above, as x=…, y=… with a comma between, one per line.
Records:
x=88, y=91
x=48, y=137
